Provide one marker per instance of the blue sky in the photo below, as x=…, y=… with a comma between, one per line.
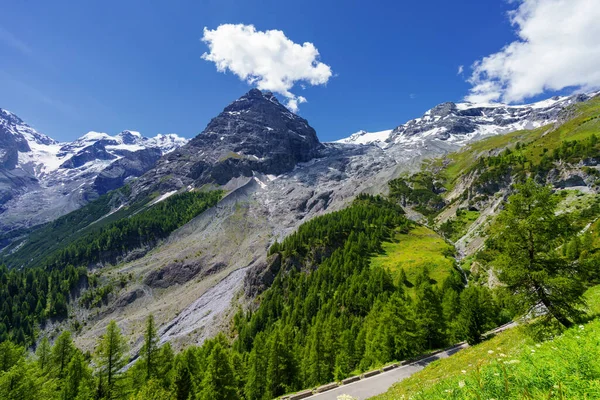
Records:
x=70, y=67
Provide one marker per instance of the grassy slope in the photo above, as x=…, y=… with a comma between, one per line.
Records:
x=555, y=362
x=584, y=124
x=411, y=251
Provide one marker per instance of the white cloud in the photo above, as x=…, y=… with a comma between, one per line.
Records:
x=268, y=60
x=461, y=69
x=558, y=47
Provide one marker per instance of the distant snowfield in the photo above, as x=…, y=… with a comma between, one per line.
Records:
x=487, y=118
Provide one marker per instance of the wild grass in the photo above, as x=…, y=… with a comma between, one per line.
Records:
x=512, y=366
x=412, y=251
x=586, y=121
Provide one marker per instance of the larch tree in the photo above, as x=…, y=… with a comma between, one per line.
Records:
x=150, y=350
x=111, y=358
x=528, y=235
x=62, y=351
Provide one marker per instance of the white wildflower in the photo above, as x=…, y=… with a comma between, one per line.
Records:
x=461, y=384
x=463, y=371
x=490, y=351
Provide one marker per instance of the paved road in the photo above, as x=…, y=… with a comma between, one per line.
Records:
x=378, y=384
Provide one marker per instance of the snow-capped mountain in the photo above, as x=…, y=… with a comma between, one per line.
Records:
x=464, y=122
x=41, y=179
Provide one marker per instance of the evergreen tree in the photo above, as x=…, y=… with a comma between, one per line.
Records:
x=257, y=365
x=43, y=355
x=475, y=314
x=429, y=318
x=218, y=377
x=281, y=367
x=78, y=377
x=10, y=354
x=62, y=351
x=150, y=351
x=153, y=390
x=527, y=235
x=182, y=386
x=18, y=383
x=164, y=368
x=111, y=358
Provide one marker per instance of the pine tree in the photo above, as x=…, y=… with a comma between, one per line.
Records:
x=475, y=313
x=257, y=365
x=78, y=375
x=111, y=358
x=18, y=383
x=280, y=369
x=150, y=352
x=527, y=235
x=218, y=377
x=62, y=351
x=43, y=355
x=164, y=368
x=153, y=390
x=182, y=386
x=429, y=317
x=10, y=354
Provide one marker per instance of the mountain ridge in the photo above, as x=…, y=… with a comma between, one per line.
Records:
x=41, y=178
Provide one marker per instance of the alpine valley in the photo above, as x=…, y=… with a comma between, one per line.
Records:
x=253, y=235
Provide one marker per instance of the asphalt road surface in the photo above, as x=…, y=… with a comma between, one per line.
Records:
x=379, y=384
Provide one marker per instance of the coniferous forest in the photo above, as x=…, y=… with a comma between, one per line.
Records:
x=327, y=315
x=30, y=296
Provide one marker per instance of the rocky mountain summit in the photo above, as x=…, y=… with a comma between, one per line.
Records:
x=276, y=175
x=464, y=122
x=253, y=135
x=42, y=179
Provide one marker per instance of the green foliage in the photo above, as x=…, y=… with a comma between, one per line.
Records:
x=49, y=237
x=152, y=390
x=62, y=352
x=111, y=357
x=527, y=236
x=29, y=296
x=476, y=313
x=218, y=378
x=150, y=351
x=565, y=368
x=418, y=191
x=316, y=324
x=143, y=228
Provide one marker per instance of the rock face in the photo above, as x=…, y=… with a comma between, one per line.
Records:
x=254, y=134
x=463, y=122
x=41, y=179
x=277, y=175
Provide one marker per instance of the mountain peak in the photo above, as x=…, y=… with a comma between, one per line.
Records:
x=10, y=117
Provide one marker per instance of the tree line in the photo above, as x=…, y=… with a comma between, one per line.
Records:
x=29, y=296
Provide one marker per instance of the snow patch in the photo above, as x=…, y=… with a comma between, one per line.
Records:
x=163, y=197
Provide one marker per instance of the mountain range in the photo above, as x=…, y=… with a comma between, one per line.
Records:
x=42, y=179
x=274, y=171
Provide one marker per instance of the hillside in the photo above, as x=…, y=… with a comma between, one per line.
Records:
x=42, y=179
x=288, y=274
x=513, y=364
